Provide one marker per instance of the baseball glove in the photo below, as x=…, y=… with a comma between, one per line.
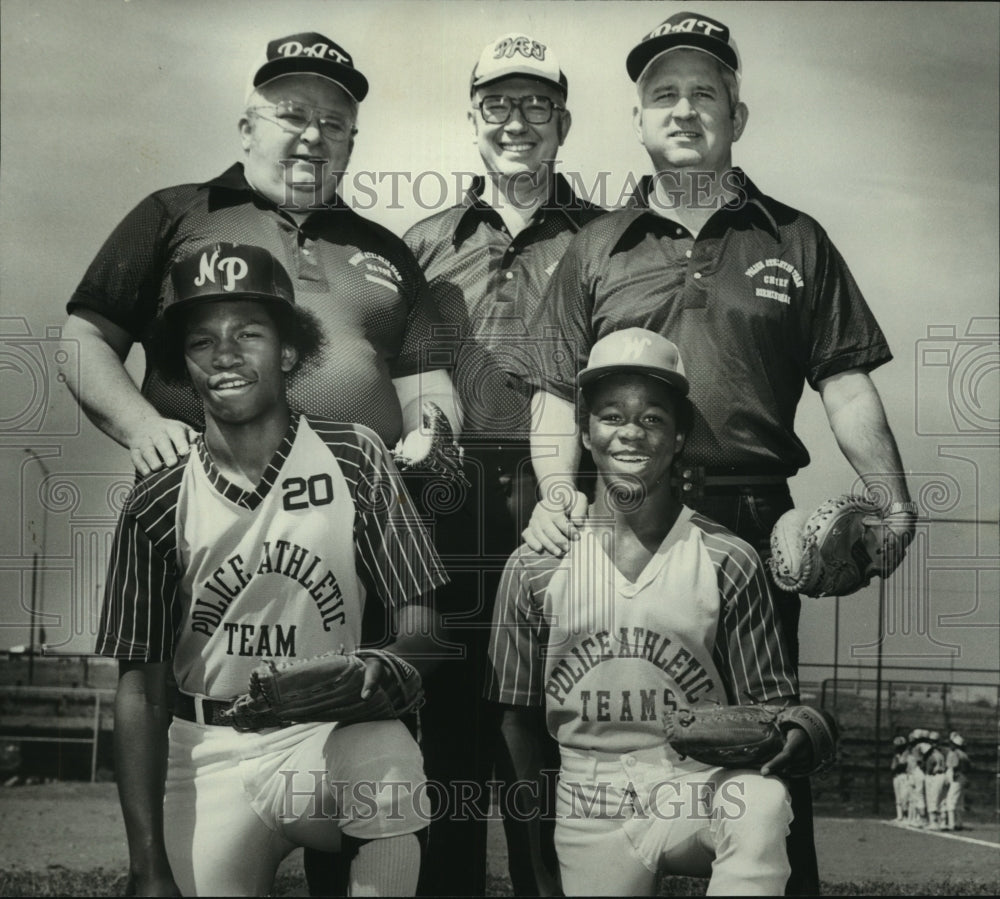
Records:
x=431, y=447
x=325, y=688
x=834, y=551
x=747, y=736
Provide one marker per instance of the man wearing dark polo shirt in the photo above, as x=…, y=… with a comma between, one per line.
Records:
x=487, y=262
x=758, y=294
x=297, y=135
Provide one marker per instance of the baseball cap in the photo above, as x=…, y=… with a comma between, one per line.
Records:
x=690, y=30
x=899, y=741
x=311, y=53
x=635, y=350
x=227, y=271
x=516, y=54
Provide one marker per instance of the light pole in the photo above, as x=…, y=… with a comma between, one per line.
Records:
x=36, y=593
x=878, y=689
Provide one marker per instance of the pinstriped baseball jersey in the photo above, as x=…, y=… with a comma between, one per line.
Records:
x=217, y=578
x=606, y=655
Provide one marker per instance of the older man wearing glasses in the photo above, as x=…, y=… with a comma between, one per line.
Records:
x=297, y=134
x=487, y=261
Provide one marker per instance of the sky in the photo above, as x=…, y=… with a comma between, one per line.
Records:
x=880, y=120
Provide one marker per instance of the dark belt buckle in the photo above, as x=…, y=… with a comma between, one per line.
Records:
x=690, y=482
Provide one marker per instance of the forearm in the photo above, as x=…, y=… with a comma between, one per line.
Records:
x=859, y=424
x=436, y=386
x=100, y=384
x=142, y=717
x=555, y=442
x=415, y=638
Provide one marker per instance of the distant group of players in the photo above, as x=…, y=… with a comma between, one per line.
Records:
x=929, y=776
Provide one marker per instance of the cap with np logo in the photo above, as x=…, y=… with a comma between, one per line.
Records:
x=635, y=350
x=229, y=271
x=689, y=30
x=516, y=54
x=313, y=54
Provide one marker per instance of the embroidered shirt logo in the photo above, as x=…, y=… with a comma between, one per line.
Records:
x=776, y=283
x=378, y=269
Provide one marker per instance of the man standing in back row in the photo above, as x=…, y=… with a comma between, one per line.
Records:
x=763, y=303
x=297, y=133
x=487, y=262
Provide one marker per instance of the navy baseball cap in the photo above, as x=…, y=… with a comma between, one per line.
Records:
x=689, y=30
x=518, y=55
x=229, y=271
x=310, y=53
x=635, y=350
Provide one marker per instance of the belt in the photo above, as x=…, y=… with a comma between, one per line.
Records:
x=201, y=709
x=496, y=459
x=694, y=481
x=516, y=450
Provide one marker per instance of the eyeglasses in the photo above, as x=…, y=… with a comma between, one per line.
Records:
x=294, y=118
x=497, y=109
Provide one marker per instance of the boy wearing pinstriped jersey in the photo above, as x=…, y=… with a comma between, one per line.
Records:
x=655, y=608
x=265, y=543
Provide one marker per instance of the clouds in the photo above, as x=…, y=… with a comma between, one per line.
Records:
x=878, y=119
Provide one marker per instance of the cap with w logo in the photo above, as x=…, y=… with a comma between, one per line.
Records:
x=229, y=271
x=635, y=350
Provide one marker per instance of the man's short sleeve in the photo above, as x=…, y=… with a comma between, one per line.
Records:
x=517, y=663
x=123, y=282
x=421, y=349
x=564, y=316
x=843, y=333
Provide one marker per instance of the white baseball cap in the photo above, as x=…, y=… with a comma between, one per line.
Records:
x=635, y=350
x=517, y=54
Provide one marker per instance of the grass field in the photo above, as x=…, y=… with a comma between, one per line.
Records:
x=67, y=839
x=103, y=883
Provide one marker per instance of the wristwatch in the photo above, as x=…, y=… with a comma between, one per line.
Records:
x=893, y=508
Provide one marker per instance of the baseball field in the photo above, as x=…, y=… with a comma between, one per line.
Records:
x=67, y=839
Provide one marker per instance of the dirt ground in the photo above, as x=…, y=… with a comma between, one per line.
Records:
x=78, y=826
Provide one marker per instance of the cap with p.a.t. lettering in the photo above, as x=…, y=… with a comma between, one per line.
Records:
x=688, y=30
x=309, y=53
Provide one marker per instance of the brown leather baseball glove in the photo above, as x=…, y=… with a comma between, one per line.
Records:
x=834, y=551
x=748, y=736
x=432, y=447
x=325, y=688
